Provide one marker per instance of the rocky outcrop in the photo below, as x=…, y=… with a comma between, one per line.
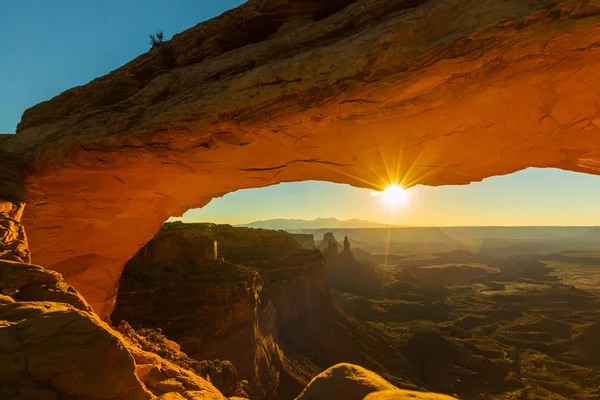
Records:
x=344, y=273
x=167, y=247
x=13, y=241
x=216, y=309
x=27, y=282
x=328, y=241
x=164, y=378
x=52, y=345
x=352, y=382
x=222, y=374
x=365, y=93
x=273, y=320
x=52, y=349
x=21, y=280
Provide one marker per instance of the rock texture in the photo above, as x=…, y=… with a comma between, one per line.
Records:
x=351, y=382
x=219, y=310
x=363, y=92
x=164, y=378
x=221, y=374
x=273, y=320
x=209, y=316
x=13, y=241
x=27, y=282
x=54, y=347
x=58, y=350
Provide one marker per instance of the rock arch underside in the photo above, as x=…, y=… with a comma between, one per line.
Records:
x=362, y=92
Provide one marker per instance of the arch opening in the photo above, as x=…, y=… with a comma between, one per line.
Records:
x=507, y=292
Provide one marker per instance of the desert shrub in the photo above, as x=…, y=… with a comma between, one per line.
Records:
x=427, y=348
x=428, y=343
x=166, y=51
x=156, y=39
x=155, y=341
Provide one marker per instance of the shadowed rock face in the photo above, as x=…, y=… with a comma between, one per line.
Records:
x=272, y=318
x=53, y=346
x=365, y=92
x=218, y=310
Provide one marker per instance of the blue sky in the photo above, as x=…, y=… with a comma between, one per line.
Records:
x=50, y=46
x=530, y=197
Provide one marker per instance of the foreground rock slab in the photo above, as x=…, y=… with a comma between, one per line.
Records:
x=352, y=382
x=56, y=348
x=52, y=347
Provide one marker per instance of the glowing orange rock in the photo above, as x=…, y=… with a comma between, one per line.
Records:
x=424, y=91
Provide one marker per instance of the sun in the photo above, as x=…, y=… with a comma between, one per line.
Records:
x=393, y=195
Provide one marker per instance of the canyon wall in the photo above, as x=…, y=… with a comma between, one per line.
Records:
x=218, y=310
x=273, y=318
x=362, y=92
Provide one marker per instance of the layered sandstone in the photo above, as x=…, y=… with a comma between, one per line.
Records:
x=51, y=349
x=53, y=346
x=210, y=315
x=13, y=241
x=272, y=319
x=365, y=92
x=218, y=310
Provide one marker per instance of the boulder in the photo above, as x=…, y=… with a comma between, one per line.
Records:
x=50, y=347
x=352, y=382
x=53, y=346
x=28, y=282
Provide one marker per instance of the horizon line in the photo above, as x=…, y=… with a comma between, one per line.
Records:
x=402, y=226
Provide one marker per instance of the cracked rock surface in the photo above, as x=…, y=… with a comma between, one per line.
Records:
x=54, y=347
x=13, y=241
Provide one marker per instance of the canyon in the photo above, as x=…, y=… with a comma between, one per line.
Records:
x=273, y=319
x=54, y=347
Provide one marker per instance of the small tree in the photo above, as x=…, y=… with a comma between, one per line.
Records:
x=165, y=50
x=156, y=39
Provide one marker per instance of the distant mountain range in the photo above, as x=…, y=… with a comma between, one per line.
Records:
x=333, y=223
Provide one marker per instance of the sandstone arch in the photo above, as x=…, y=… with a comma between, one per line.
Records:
x=361, y=92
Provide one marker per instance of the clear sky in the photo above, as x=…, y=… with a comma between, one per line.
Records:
x=530, y=197
x=50, y=46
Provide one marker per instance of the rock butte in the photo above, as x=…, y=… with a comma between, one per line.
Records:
x=365, y=92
